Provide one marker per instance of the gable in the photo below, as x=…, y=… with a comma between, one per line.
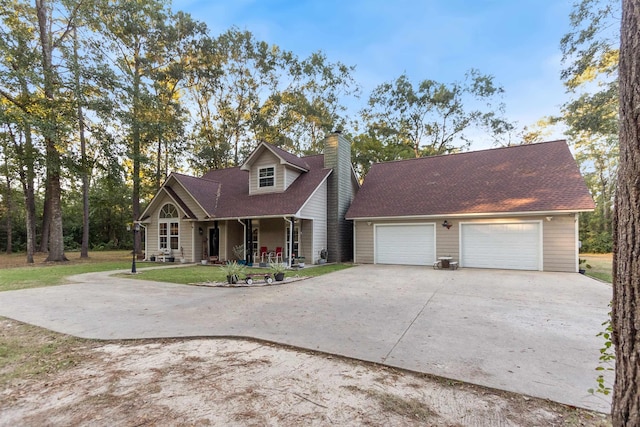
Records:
x=528, y=178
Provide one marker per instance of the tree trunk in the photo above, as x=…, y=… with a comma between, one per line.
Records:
x=30, y=206
x=46, y=218
x=135, y=140
x=50, y=133
x=84, y=248
x=159, y=164
x=26, y=157
x=28, y=177
x=626, y=251
x=9, y=204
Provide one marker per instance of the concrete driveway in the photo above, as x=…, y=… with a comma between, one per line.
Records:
x=528, y=332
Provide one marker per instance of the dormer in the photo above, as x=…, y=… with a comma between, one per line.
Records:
x=272, y=170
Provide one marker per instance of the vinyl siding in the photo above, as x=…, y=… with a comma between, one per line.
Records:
x=316, y=237
x=266, y=159
x=188, y=200
x=272, y=233
x=186, y=236
x=337, y=156
x=290, y=175
x=364, y=242
x=233, y=232
x=558, y=239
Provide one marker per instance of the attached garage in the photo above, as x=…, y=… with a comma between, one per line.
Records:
x=513, y=246
x=409, y=244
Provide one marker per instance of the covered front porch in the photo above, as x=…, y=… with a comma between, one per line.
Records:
x=258, y=240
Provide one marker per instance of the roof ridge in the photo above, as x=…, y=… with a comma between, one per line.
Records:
x=471, y=152
x=202, y=178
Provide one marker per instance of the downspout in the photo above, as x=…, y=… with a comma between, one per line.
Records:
x=244, y=237
x=290, y=251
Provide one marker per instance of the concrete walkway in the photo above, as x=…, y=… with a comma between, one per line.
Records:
x=528, y=332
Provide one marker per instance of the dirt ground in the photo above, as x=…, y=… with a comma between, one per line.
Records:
x=55, y=380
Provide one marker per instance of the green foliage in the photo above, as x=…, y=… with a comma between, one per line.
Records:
x=278, y=267
x=606, y=360
x=590, y=55
x=430, y=118
x=208, y=273
x=238, y=251
x=232, y=268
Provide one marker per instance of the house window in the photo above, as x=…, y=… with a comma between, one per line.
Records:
x=168, y=228
x=266, y=177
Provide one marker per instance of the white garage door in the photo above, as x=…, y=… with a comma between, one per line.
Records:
x=412, y=244
x=513, y=246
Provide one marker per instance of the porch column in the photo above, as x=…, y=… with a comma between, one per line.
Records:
x=248, y=242
x=292, y=224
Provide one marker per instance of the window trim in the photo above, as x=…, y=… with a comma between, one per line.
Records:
x=168, y=222
x=260, y=169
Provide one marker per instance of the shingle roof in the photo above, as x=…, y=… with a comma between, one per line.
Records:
x=288, y=157
x=204, y=191
x=525, y=178
x=291, y=159
x=188, y=212
x=224, y=193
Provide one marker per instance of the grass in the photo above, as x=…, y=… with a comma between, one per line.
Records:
x=599, y=266
x=209, y=273
x=43, y=273
x=405, y=407
x=28, y=351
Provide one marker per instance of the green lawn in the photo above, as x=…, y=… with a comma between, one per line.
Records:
x=42, y=273
x=598, y=266
x=210, y=273
x=35, y=277
x=48, y=274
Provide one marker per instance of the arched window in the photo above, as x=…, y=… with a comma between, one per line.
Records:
x=168, y=228
x=168, y=211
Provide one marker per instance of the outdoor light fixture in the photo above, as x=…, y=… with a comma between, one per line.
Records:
x=549, y=218
x=446, y=224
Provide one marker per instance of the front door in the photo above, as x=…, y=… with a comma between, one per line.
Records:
x=214, y=241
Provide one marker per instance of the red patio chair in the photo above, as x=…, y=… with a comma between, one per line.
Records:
x=278, y=254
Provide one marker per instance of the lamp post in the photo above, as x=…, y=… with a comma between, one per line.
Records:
x=135, y=228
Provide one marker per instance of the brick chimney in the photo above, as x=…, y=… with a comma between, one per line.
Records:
x=340, y=194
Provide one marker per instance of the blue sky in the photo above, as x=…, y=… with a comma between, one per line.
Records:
x=516, y=41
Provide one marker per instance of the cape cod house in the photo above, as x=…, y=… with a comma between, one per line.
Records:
x=506, y=208
x=275, y=206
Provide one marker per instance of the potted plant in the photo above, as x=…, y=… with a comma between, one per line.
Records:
x=238, y=251
x=152, y=258
x=278, y=269
x=232, y=270
x=300, y=261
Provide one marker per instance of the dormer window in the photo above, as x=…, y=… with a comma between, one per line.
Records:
x=266, y=177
